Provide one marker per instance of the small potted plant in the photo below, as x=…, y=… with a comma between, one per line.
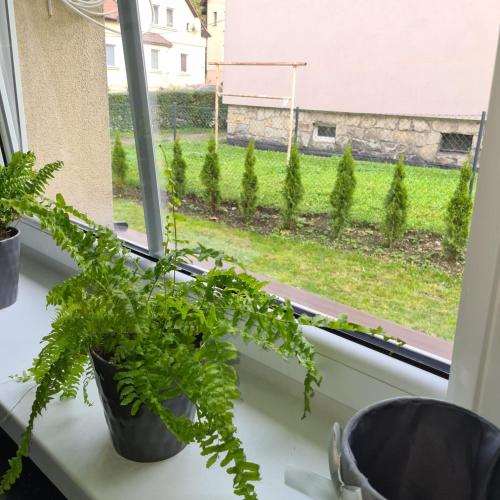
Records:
x=158, y=346
x=18, y=179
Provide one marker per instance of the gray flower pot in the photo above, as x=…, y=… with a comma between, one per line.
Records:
x=10, y=250
x=142, y=437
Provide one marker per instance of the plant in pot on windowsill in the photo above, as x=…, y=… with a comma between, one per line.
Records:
x=159, y=345
x=18, y=179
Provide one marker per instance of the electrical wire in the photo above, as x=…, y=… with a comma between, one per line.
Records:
x=92, y=11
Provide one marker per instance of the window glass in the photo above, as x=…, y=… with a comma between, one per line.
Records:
x=379, y=249
x=110, y=55
x=170, y=17
x=156, y=14
x=155, y=55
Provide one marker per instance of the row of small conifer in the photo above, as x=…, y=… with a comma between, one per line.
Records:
x=394, y=220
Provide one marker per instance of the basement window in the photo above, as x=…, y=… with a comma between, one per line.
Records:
x=455, y=143
x=324, y=133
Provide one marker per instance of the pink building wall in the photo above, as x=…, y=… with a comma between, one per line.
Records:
x=426, y=57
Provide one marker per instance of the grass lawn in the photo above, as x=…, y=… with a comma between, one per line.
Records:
x=429, y=189
x=425, y=299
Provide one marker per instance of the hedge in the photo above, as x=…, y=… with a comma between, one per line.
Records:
x=188, y=108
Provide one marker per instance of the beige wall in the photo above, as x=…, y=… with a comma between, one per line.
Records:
x=383, y=57
x=215, y=43
x=63, y=75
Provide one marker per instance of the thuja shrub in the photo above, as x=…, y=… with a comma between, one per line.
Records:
x=293, y=192
x=249, y=184
x=458, y=214
x=396, y=206
x=210, y=177
x=119, y=165
x=179, y=167
x=341, y=197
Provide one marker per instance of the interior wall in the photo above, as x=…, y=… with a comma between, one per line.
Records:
x=63, y=75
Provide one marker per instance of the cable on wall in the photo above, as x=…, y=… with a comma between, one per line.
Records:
x=93, y=11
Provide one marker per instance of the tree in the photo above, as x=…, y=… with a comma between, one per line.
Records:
x=209, y=176
x=179, y=170
x=249, y=186
x=293, y=191
x=342, y=195
x=458, y=214
x=396, y=206
x=119, y=165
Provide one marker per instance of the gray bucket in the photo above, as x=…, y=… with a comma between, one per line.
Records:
x=10, y=249
x=409, y=449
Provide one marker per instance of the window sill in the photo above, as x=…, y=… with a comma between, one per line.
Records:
x=72, y=445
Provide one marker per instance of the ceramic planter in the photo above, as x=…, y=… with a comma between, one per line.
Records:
x=142, y=437
x=10, y=249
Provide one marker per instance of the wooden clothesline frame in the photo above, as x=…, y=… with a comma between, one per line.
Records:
x=290, y=98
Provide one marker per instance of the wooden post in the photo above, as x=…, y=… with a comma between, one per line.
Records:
x=216, y=133
x=292, y=107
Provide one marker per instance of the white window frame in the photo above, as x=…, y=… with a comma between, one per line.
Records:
x=156, y=15
x=322, y=138
x=170, y=22
x=155, y=60
x=353, y=374
x=184, y=63
x=113, y=51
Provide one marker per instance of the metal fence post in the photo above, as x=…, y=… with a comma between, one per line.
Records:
x=477, y=151
x=174, y=119
x=296, y=130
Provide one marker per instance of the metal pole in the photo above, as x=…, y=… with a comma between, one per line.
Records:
x=477, y=151
x=216, y=133
x=174, y=121
x=296, y=131
x=128, y=11
x=292, y=106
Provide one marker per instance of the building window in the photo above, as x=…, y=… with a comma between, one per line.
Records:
x=170, y=17
x=156, y=14
x=155, y=58
x=184, y=62
x=110, y=56
x=456, y=143
x=324, y=133
x=215, y=18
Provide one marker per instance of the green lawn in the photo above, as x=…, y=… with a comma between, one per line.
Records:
x=429, y=189
x=425, y=299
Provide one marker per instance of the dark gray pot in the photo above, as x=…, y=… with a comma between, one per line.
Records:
x=142, y=437
x=10, y=250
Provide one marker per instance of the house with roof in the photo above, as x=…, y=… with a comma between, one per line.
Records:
x=175, y=41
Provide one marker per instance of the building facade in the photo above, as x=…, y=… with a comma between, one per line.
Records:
x=175, y=42
x=389, y=77
x=216, y=13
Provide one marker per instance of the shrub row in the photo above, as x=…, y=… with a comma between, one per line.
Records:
x=187, y=108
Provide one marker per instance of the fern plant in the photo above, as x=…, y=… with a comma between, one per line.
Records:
x=20, y=180
x=165, y=337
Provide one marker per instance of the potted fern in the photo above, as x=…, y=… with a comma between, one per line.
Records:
x=159, y=347
x=18, y=179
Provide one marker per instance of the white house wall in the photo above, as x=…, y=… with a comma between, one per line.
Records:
x=184, y=41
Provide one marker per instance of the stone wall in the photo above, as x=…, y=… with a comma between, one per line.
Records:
x=380, y=137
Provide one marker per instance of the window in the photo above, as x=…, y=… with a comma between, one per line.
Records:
x=170, y=17
x=326, y=131
x=215, y=18
x=110, y=56
x=184, y=62
x=155, y=59
x=455, y=143
x=156, y=15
